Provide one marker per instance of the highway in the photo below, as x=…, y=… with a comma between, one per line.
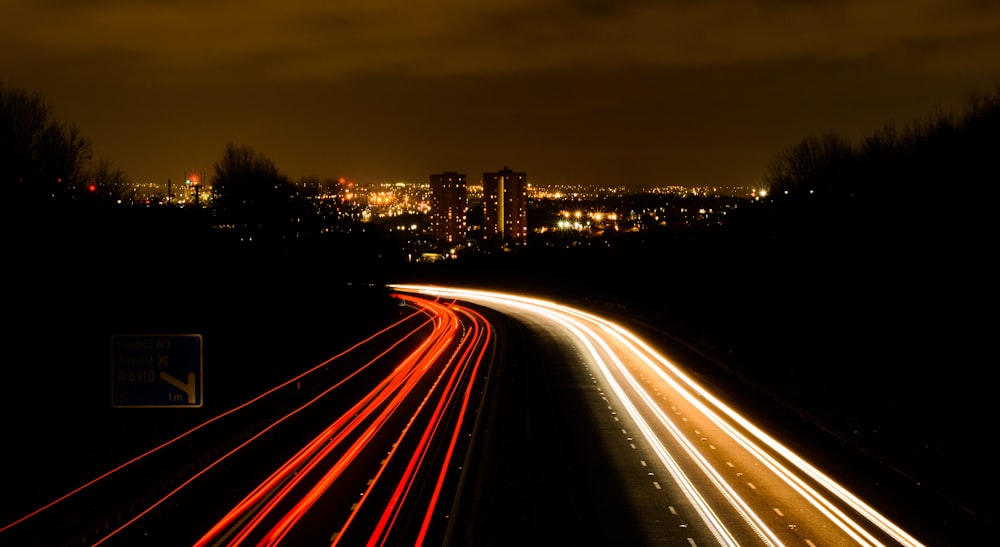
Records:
x=701, y=473
x=476, y=418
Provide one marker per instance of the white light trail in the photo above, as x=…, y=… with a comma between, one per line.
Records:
x=737, y=427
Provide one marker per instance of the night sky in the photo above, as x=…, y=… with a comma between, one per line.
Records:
x=633, y=92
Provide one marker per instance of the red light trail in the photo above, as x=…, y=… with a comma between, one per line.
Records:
x=415, y=408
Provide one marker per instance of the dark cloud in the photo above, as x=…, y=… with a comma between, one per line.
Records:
x=601, y=8
x=571, y=90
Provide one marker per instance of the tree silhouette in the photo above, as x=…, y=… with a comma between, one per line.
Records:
x=253, y=199
x=847, y=232
x=941, y=151
x=107, y=183
x=40, y=158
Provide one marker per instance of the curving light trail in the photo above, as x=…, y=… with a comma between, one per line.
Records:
x=414, y=405
x=391, y=331
x=727, y=513
x=430, y=391
x=399, y=438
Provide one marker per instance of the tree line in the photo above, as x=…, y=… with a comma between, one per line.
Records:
x=46, y=163
x=848, y=229
x=941, y=159
x=66, y=212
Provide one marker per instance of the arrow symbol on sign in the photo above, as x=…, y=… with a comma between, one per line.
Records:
x=187, y=387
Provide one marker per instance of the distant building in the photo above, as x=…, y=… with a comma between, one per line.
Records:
x=505, y=205
x=449, y=205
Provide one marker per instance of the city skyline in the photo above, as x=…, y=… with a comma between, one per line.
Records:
x=638, y=94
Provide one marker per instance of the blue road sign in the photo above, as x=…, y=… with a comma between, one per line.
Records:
x=156, y=371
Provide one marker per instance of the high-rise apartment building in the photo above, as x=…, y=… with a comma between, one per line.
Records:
x=505, y=205
x=449, y=205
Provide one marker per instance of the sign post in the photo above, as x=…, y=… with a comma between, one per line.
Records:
x=156, y=371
